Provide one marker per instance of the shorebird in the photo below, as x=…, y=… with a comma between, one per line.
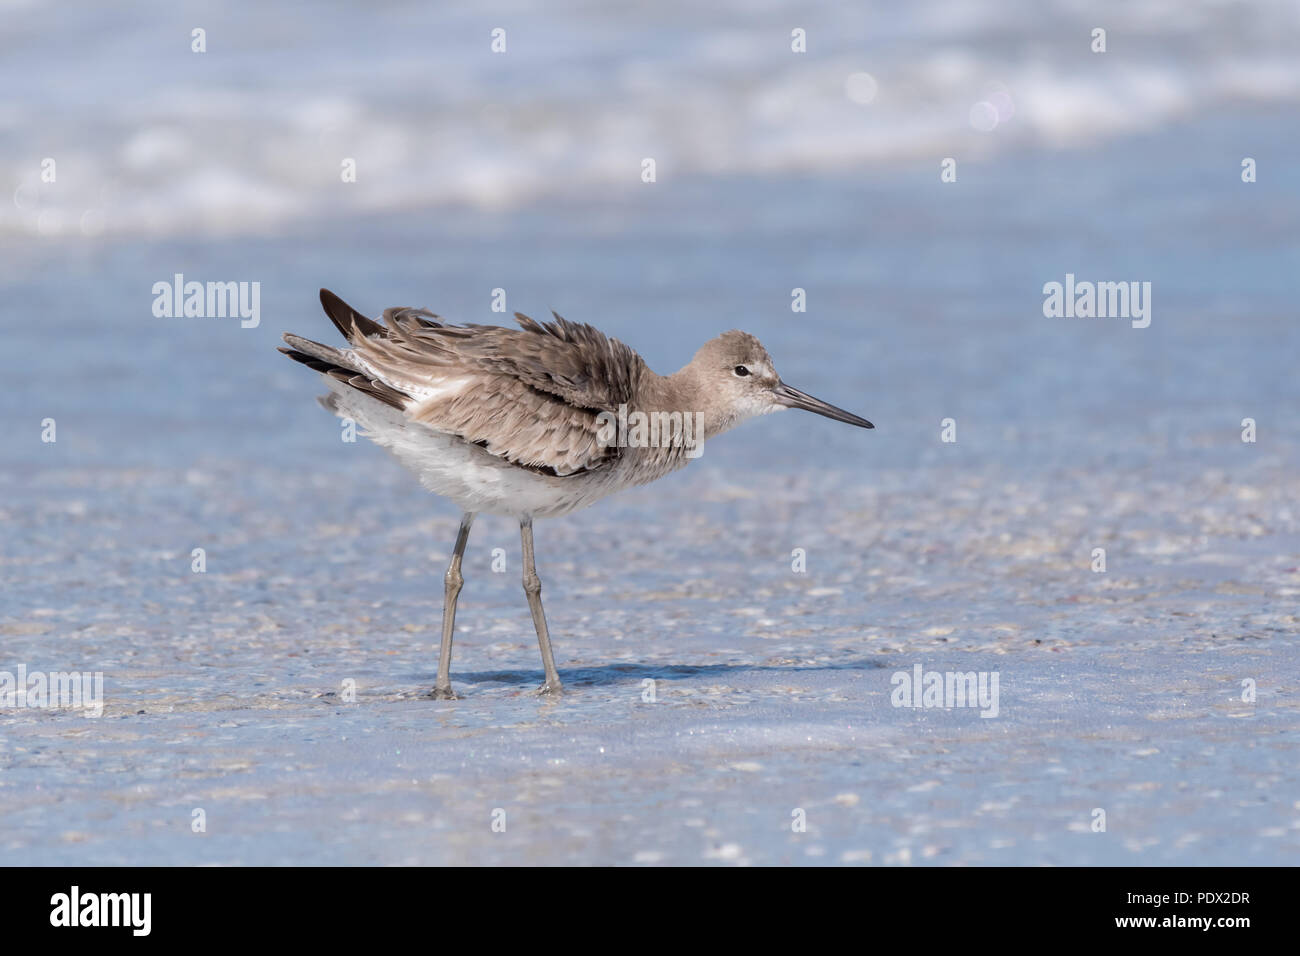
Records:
x=533, y=422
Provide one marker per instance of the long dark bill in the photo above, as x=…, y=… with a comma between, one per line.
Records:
x=793, y=398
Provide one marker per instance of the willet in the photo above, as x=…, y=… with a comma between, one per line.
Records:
x=533, y=422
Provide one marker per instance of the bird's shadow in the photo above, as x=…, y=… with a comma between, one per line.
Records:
x=609, y=674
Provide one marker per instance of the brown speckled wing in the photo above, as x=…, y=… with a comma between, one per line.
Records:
x=520, y=424
x=530, y=396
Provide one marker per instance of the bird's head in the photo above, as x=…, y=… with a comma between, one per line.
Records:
x=735, y=377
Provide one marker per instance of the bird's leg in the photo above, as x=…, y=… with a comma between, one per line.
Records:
x=442, y=684
x=533, y=588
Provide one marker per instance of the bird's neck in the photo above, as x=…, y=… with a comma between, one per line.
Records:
x=684, y=391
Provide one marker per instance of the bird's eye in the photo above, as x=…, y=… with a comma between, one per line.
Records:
x=741, y=371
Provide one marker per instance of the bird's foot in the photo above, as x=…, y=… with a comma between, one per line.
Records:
x=443, y=693
x=550, y=689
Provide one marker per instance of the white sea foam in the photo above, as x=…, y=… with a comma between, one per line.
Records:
x=250, y=136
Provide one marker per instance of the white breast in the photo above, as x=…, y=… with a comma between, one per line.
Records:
x=465, y=473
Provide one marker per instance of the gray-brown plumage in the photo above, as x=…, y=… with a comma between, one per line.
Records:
x=533, y=422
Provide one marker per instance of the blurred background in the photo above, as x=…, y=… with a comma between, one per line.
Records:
x=775, y=170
